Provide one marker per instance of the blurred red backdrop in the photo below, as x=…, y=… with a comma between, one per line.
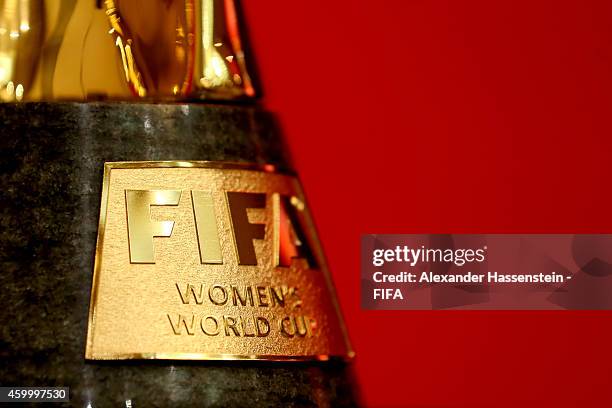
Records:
x=445, y=116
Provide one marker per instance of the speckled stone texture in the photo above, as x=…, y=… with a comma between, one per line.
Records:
x=51, y=166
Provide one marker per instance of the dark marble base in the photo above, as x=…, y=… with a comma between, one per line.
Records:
x=51, y=164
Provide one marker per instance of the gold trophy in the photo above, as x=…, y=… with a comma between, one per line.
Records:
x=149, y=228
x=121, y=50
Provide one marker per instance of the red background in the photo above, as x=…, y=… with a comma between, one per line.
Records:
x=450, y=116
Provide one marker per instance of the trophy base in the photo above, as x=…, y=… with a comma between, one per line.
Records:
x=51, y=168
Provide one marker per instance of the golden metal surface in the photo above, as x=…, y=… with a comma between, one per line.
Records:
x=141, y=229
x=121, y=50
x=229, y=267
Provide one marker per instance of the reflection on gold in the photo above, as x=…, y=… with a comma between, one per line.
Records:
x=141, y=228
x=215, y=71
x=18, y=45
x=121, y=50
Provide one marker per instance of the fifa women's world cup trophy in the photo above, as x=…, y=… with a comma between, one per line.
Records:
x=156, y=248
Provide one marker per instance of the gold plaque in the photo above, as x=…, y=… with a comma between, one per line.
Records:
x=209, y=261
